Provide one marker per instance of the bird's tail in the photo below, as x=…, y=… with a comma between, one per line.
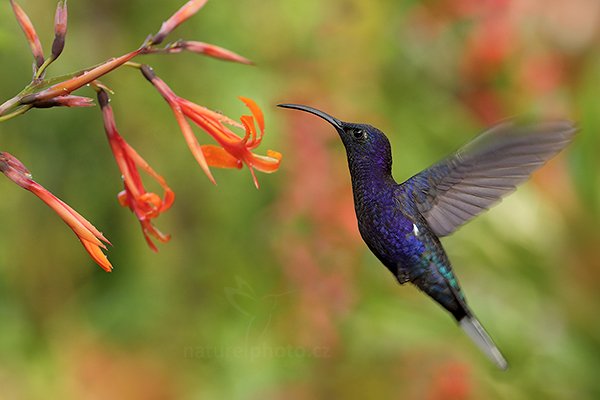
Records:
x=473, y=328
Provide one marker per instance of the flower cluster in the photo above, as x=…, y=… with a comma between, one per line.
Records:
x=230, y=150
x=233, y=151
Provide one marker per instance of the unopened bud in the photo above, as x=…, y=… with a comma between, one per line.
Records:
x=186, y=11
x=212, y=51
x=30, y=33
x=64, y=101
x=60, y=29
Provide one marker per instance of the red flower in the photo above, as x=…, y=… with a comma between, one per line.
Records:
x=145, y=205
x=233, y=151
x=93, y=241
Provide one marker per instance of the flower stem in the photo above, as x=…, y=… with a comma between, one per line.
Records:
x=42, y=68
x=16, y=113
x=8, y=104
x=133, y=65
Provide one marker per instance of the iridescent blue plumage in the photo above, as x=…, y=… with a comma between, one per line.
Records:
x=401, y=223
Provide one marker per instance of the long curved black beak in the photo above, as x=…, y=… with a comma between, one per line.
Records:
x=332, y=120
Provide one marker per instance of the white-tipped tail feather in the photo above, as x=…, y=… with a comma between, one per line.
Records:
x=476, y=332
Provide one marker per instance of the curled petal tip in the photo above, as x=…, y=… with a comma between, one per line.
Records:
x=256, y=111
x=269, y=163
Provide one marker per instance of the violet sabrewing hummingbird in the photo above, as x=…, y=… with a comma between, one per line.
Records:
x=402, y=223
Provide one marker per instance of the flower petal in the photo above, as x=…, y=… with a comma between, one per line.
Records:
x=192, y=142
x=218, y=157
x=97, y=255
x=150, y=231
x=256, y=112
x=269, y=163
x=85, y=223
x=191, y=108
x=248, y=123
x=169, y=195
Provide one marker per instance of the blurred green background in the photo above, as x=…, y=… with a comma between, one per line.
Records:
x=271, y=294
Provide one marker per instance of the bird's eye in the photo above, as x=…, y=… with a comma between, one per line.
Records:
x=358, y=133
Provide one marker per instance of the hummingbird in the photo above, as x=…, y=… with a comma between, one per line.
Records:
x=402, y=223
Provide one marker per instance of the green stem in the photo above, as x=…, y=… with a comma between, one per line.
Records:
x=32, y=87
x=42, y=68
x=133, y=65
x=9, y=104
x=16, y=113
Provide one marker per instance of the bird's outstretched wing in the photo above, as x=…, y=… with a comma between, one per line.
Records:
x=455, y=190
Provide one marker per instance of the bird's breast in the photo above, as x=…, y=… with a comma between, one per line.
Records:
x=390, y=231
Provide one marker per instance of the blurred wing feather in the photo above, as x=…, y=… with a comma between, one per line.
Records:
x=455, y=190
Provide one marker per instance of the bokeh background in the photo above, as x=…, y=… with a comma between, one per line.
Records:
x=271, y=294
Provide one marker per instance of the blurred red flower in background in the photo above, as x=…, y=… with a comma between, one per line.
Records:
x=318, y=258
x=490, y=58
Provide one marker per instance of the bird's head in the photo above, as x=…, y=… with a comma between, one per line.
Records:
x=365, y=144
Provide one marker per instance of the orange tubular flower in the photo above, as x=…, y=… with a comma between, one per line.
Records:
x=233, y=151
x=145, y=205
x=93, y=241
